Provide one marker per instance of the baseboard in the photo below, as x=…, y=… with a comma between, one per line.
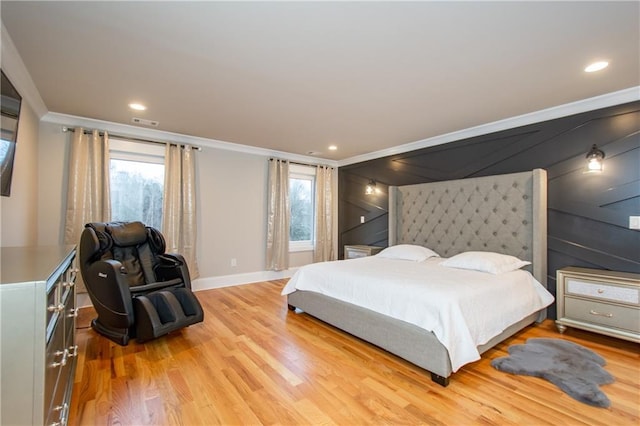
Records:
x=209, y=283
x=83, y=300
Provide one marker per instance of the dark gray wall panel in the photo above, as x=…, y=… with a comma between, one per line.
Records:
x=588, y=213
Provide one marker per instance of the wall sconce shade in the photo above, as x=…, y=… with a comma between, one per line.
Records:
x=595, y=159
x=370, y=188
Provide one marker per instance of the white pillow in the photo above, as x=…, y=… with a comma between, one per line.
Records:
x=407, y=252
x=485, y=261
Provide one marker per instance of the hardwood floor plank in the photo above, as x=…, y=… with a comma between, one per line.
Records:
x=254, y=362
x=312, y=414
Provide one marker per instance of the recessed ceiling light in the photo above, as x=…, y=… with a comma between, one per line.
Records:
x=332, y=147
x=137, y=106
x=596, y=66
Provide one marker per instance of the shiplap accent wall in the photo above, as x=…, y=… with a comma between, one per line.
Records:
x=588, y=213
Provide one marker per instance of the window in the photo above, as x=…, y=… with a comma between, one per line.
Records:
x=302, y=207
x=137, y=182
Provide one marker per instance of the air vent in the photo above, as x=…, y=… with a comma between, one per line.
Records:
x=313, y=153
x=144, y=122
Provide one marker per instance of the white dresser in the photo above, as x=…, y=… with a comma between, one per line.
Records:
x=38, y=351
x=601, y=301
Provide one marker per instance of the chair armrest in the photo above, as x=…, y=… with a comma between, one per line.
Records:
x=172, y=266
x=109, y=292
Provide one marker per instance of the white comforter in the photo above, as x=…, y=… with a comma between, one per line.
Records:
x=463, y=308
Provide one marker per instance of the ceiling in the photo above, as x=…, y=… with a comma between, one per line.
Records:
x=300, y=76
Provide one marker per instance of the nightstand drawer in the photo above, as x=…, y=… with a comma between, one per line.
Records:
x=354, y=254
x=602, y=313
x=603, y=291
x=356, y=251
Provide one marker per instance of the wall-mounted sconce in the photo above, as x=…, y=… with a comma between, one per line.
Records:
x=595, y=159
x=370, y=188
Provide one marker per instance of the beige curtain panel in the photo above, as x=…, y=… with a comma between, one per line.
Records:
x=88, y=197
x=278, y=216
x=323, y=249
x=179, y=204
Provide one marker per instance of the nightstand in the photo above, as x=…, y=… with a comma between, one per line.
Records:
x=354, y=252
x=604, y=302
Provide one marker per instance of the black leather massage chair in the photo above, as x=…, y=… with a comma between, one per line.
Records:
x=137, y=289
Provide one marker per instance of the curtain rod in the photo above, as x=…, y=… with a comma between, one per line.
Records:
x=101, y=132
x=302, y=164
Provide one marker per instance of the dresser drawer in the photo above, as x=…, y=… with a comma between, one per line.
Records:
x=56, y=359
x=58, y=412
x=603, y=291
x=622, y=317
x=54, y=306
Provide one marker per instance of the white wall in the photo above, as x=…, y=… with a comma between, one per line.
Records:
x=231, y=214
x=53, y=163
x=232, y=218
x=19, y=211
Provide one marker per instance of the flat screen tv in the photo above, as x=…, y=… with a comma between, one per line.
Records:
x=10, y=110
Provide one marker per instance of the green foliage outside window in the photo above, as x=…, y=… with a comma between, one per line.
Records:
x=137, y=192
x=301, y=205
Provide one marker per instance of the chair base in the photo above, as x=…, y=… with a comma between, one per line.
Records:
x=156, y=314
x=120, y=336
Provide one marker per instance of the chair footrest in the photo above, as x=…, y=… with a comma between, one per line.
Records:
x=164, y=311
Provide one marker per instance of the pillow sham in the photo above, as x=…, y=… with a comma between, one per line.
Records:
x=485, y=261
x=407, y=252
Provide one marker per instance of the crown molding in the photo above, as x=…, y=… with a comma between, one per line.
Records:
x=610, y=99
x=16, y=71
x=127, y=130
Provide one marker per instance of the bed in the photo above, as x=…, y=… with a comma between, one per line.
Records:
x=503, y=214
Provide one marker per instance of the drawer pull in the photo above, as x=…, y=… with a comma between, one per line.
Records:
x=600, y=291
x=63, y=417
x=61, y=407
x=600, y=314
x=63, y=361
x=55, y=308
x=73, y=351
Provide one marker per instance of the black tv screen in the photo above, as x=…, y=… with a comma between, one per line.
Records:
x=10, y=110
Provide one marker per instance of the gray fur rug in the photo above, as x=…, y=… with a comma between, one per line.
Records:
x=573, y=368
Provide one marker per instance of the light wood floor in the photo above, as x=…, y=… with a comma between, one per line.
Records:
x=254, y=362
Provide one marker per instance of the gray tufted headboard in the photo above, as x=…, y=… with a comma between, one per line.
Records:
x=503, y=213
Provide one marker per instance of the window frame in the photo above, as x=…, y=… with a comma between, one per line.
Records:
x=301, y=172
x=120, y=149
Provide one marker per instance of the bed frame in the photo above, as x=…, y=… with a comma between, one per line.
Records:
x=503, y=213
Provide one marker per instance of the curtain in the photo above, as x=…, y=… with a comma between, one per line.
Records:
x=179, y=204
x=323, y=249
x=88, y=198
x=278, y=216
